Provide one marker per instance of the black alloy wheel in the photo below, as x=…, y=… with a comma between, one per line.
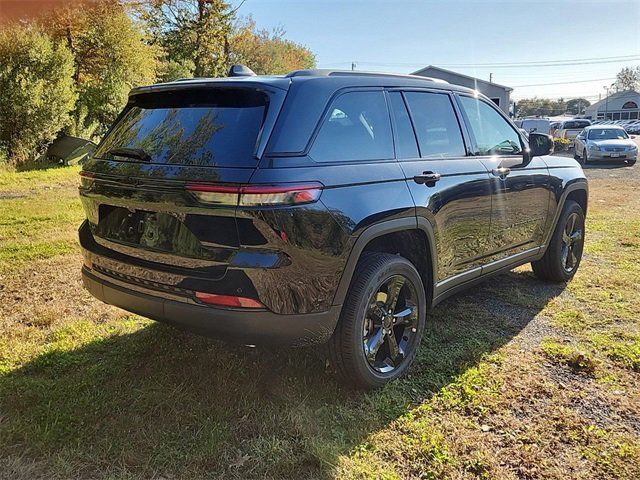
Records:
x=391, y=324
x=382, y=321
x=564, y=253
x=572, y=242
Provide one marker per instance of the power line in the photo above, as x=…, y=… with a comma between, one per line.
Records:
x=565, y=83
x=548, y=63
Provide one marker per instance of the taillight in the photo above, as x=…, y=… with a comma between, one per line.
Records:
x=256, y=195
x=86, y=179
x=228, y=300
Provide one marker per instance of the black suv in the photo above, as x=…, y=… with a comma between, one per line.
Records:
x=320, y=206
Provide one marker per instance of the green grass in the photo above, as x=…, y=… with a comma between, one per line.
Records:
x=516, y=379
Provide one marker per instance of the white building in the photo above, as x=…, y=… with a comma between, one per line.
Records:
x=619, y=106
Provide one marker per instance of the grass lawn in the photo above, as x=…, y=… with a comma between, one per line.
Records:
x=516, y=379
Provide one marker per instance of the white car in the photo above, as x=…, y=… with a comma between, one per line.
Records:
x=605, y=142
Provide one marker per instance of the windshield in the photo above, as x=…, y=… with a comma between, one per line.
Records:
x=208, y=127
x=607, y=134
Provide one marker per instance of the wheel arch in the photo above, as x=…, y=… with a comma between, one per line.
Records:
x=394, y=236
x=577, y=191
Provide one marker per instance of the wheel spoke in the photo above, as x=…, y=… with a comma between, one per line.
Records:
x=404, y=315
x=395, y=285
x=571, y=223
x=394, y=350
x=373, y=344
x=576, y=236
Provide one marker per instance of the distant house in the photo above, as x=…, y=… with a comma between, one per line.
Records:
x=619, y=106
x=498, y=93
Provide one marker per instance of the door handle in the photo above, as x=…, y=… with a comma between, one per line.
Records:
x=501, y=172
x=427, y=178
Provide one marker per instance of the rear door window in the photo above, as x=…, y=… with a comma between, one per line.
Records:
x=204, y=127
x=406, y=146
x=357, y=127
x=436, y=125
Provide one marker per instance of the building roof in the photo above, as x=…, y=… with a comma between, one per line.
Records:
x=451, y=72
x=612, y=97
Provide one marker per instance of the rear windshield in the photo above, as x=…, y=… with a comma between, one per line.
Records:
x=576, y=124
x=204, y=127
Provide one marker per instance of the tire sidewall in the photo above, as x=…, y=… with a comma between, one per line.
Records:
x=571, y=207
x=398, y=266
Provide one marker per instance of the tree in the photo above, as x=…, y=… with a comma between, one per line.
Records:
x=628, y=79
x=37, y=91
x=268, y=52
x=194, y=34
x=111, y=56
x=576, y=106
x=541, y=107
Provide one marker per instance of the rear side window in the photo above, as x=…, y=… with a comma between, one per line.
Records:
x=356, y=128
x=205, y=127
x=493, y=134
x=406, y=146
x=436, y=125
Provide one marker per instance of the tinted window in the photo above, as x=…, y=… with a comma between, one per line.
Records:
x=357, y=128
x=576, y=124
x=436, y=125
x=493, y=134
x=406, y=146
x=196, y=127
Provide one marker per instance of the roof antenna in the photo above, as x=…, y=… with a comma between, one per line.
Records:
x=240, y=71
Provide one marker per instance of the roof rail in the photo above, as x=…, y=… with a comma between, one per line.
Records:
x=330, y=73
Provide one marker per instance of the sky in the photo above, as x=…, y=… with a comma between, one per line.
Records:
x=598, y=38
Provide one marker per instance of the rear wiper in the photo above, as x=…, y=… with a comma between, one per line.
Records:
x=136, y=153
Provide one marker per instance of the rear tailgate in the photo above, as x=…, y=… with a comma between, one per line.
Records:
x=144, y=225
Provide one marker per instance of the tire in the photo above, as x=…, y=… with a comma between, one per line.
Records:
x=585, y=159
x=631, y=163
x=564, y=253
x=361, y=322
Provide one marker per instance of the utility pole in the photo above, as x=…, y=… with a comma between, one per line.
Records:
x=353, y=66
x=491, y=78
x=606, y=104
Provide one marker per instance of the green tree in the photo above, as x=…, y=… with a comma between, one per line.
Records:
x=541, y=107
x=111, y=56
x=194, y=34
x=628, y=79
x=268, y=52
x=576, y=106
x=36, y=90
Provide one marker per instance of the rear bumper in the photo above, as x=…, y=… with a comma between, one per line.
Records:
x=248, y=327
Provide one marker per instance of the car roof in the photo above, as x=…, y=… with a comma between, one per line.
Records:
x=606, y=125
x=339, y=78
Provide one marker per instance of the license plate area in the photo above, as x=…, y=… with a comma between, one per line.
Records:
x=614, y=155
x=149, y=230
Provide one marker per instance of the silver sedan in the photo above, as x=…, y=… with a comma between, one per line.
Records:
x=605, y=142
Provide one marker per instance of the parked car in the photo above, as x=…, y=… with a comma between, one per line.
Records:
x=67, y=150
x=553, y=127
x=536, y=124
x=320, y=206
x=633, y=128
x=569, y=129
x=607, y=142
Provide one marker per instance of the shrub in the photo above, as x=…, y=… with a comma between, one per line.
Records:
x=37, y=91
x=560, y=144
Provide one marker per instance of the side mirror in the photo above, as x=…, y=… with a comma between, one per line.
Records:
x=540, y=144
